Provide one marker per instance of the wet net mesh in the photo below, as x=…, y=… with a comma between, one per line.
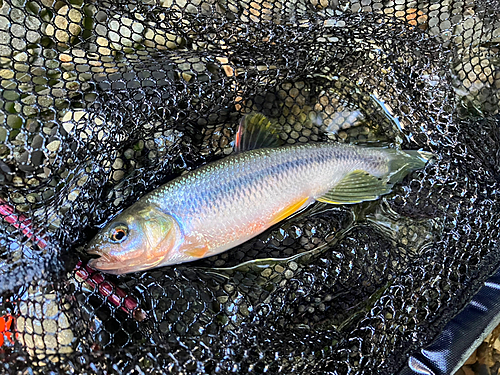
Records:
x=102, y=101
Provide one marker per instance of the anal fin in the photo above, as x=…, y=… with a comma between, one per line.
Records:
x=289, y=210
x=357, y=186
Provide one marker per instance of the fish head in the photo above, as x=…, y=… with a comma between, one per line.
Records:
x=139, y=238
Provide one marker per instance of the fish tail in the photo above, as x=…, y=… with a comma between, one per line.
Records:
x=403, y=162
x=360, y=186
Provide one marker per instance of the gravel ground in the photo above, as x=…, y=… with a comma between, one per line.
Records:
x=486, y=358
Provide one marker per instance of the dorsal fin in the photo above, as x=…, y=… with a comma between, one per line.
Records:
x=256, y=131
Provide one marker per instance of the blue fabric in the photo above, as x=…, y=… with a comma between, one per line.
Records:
x=461, y=336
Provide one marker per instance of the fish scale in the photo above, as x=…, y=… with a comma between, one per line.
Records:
x=266, y=180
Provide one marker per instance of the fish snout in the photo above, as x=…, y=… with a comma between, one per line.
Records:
x=103, y=263
x=105, y=259
x=93, y=250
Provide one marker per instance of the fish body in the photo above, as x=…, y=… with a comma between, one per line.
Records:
x=225, y=203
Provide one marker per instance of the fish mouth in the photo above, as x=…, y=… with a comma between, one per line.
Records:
x=111, y=264
x=114, y=267
x=93, y=248
x=105, y=264
x=92, y=251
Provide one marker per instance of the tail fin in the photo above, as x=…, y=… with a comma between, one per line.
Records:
x=404, y=162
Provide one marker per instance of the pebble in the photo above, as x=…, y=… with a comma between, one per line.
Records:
x=266, y=273
x=43, y=327
x=53, y=146
x=288, y=274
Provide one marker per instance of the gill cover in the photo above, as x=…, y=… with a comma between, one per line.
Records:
x=161, y=232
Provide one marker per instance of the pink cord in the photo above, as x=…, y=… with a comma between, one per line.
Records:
x=95, y=279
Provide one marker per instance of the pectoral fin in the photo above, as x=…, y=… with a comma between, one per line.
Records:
x=356, y=187
x=197, y=251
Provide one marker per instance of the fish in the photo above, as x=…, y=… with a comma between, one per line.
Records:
x=227, y=202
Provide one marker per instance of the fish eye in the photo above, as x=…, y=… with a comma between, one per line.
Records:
x=118, y=233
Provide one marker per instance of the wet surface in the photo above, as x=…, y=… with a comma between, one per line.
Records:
x=104, y=101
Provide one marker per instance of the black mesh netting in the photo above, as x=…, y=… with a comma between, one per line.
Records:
x=102, y=101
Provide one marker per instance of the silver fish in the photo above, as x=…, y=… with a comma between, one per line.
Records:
x=225, y=203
